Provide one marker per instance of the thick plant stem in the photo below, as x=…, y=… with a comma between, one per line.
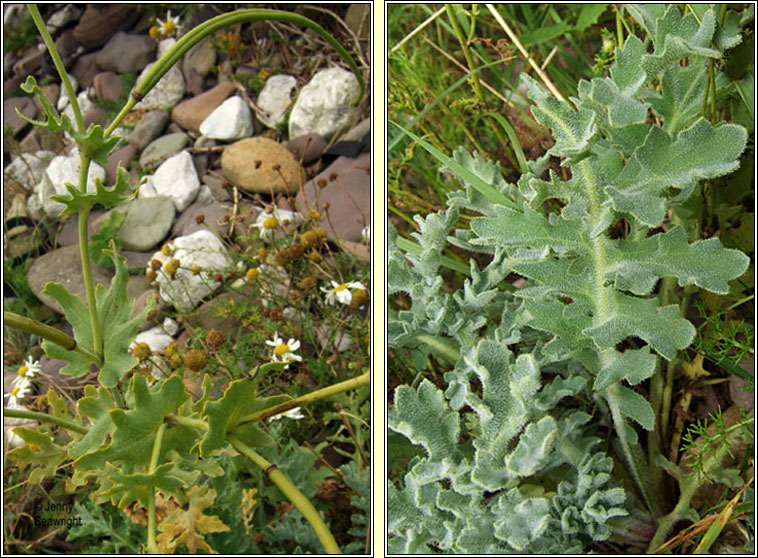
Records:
x=347, y=385
x=44, y=417
x=97, y=337
x=294, y=495
x=152, y=547
x=47, y=332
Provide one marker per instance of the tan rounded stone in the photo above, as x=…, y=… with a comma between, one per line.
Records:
x=262, y=166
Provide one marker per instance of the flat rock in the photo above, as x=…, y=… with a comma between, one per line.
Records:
x=100, y=21
x=123, y=157
x=212, y=219
x=230, y=121
x=324, y=104
x=63, y=266
x=251, y=164
x=200, y=58
x=308, y=148
x=27, y=168
x=357, y=132
x=275, y=98
x=148, y=128
x=63, y=99
x=166, y=93
x=215, y=314
x=85, y=69
x=107, y=86
x=185, y=291
x=126, y=53
x=191, y=113
x=345, y=201
x=155, y=337
x=176, y=179
x=160, y=149
x=25, y=106
x=147, y=222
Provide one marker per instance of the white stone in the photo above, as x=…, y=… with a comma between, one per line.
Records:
x=231, y=120
x=63, y=100
x=155, y=337
x=171, y=326
x=28, y=168
x=64, y=169
x=185, y=291
x=205, y=195
x=166, y=93
x=324, y=105
x=342, y=341
x=176, y=178
x=85, y=104
x=275, y=99
x=164, y=46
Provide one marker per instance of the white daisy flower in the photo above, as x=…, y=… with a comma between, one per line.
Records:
x=18, y=392
x=279, y=219
x=284, y=352
x=168, y=27
x=341, y=292
x=26, y=371
x=294, y=414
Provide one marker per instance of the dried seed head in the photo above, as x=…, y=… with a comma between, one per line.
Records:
x=155, y=264
x=321, y=182
x=175, y=361
x=281, y=258
x=295, y=251
x=321, y=233
x=195, y=359
x=314, y=215
x=308, y=283
x=151, y=314
x=308, y=239
x=150, y=276
x=333, y=177
x=215, y=338
x=315, y=256
x=142, y=351
x=218, y=278
x=196, y=269
x=359, y=297
x=171, y=266
x=200, y=218
x=277, y=167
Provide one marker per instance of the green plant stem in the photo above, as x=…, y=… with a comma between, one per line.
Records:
x=355, y=383
x=44, y=417
x=292, y=493
x=48, y=40
x=97, y=337
x=152, y=547
x=47, y=332
x=206, y=28
x=466, y=53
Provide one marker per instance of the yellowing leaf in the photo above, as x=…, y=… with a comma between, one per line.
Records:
x=188, y=526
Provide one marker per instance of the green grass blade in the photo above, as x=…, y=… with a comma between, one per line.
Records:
x=511, y=133
x=477, y=183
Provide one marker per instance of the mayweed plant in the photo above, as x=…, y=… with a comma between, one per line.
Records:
x=546, y=435
x=138, y=438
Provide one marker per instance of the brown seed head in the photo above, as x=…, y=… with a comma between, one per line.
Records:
x=200, y=218
x=155, y=265
x=295, y=251
x=308, y=283
x=195, y=359
x=215, y=338
x=308, y=239
x=142, y=351
x=321, y=182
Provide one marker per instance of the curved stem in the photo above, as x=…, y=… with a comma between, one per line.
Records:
x=292, y=493
x=152, y=548
x=47, y=332
x=42, y=28
x=206, y=28
x=44, y=417
x=323, y=393
x=466, y=53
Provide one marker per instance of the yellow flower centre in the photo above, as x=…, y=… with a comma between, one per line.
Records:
x=14, y=391
x=23, y=370
x=169, y=27
x=281, y=349
x=271, y=223
x=342, y=287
